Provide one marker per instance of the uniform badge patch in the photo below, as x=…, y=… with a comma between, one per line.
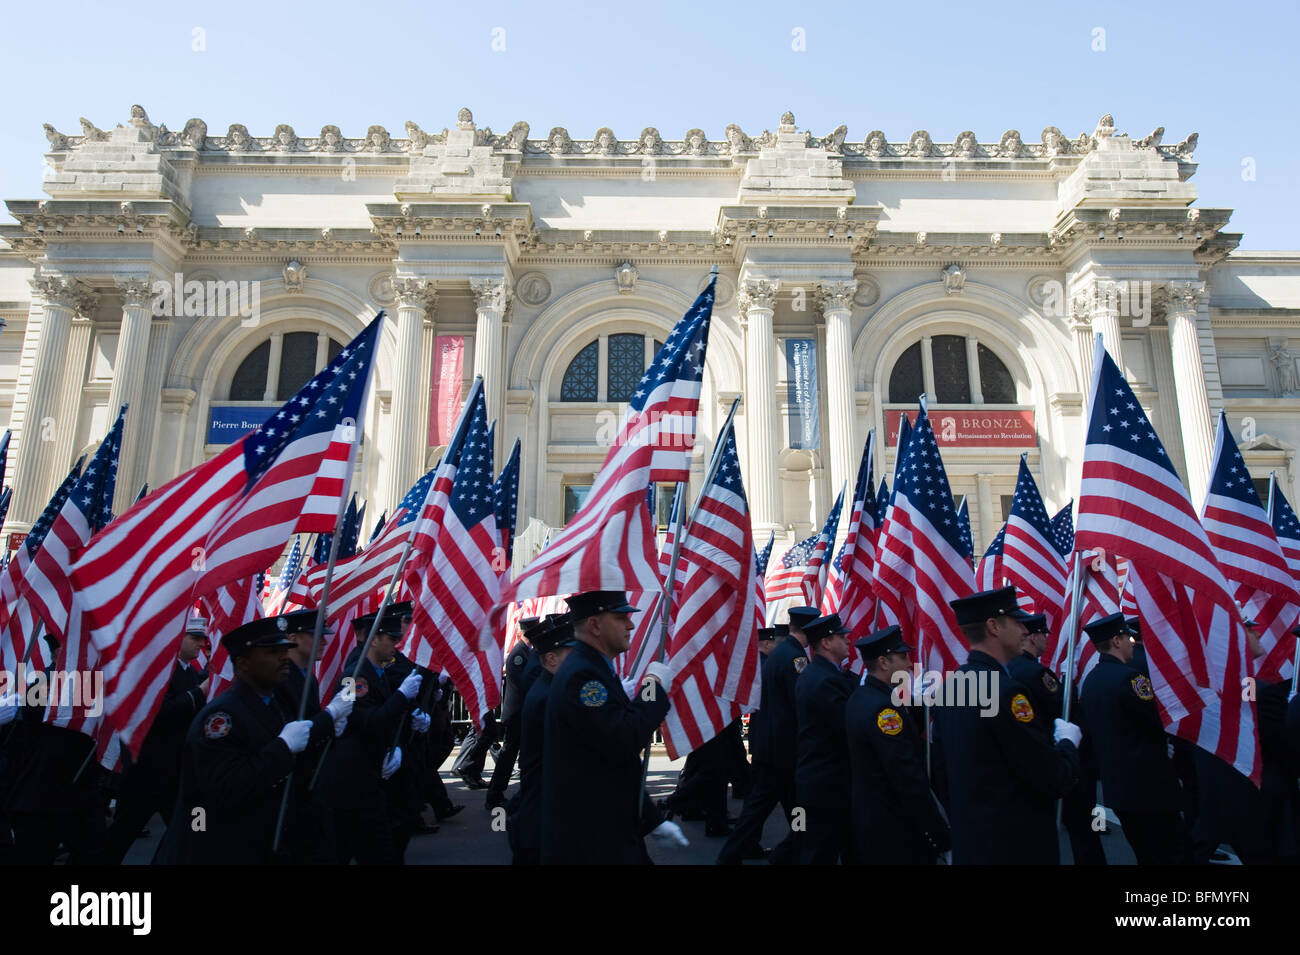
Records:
x=800, y=662
x=889, y=722
x=361, y=688
x=1049, y=681
x=217, y=725
x=517, y=660
x=1142, y=687
x=1021, y=709
x=593, y=693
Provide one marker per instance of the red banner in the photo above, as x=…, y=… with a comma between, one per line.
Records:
x=973, y=428
x=445, y=393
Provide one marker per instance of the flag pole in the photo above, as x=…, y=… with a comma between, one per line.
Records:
x=1070, y=632
x=1295, y=664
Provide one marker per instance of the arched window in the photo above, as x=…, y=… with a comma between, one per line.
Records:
x=608, y=369
x=960, y=371
x=278, y=368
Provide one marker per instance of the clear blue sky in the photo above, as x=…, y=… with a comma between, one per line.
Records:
x=1226, y=71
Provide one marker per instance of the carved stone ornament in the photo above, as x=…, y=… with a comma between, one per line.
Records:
x=838, y=295
x=738, y=141
x=139, y=118
x=295, y=273
x=286, y=140
x=517, y=137
x=55, y=290
x=787, y=119
x=920, y=144
x=723, y=293
x=604, y=142
x=696, y=142
x=1010, y=145
x=464, y=118
x=92, y=132
x=625, y=275
x=965, y=145
x=377, y=140
x=237, y=138
x=137, y=291
x=868, y=292
x=58, y=142
x=650, y=143
x=1185, y=296
x=1054, y=144
x=875, y=145
x=194, y=134
x=1284, y=362
x=758, y=293
x=558, y=142
x=834, y=142
x=533, y=288
x=954, y=279
x=414, y=293
x=490, y=293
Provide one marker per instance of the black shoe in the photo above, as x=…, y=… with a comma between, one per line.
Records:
x=445, y=814
x=425, y=828
x=472, y=781
x=495, y=800
x=717, y=831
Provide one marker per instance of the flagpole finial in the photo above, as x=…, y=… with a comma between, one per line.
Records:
x=713, y=270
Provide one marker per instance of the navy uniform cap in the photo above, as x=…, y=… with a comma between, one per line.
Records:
x=1114, y=625
x=824, y=627
x=986, y=604
x=528, y=625
x=767, y=633
x=391, y=624
x=1135, y=625
x=888, y=640
x=802, y=616
x=1036, y=623
x=301, y=621
x=553, y=632
x=269, y=632
x=582, y=606
x=782, y=630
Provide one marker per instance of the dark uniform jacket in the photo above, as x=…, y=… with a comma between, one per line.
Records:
x=774, y=741
x=158, y=769
x=1042, y=688
x=1128, y=738
x=591, y=767
x=1004, y=775
x=350, y=778
x=821, y=776
x=522, y=668
x=895, y=818
x=525, y=810
x=234, y=768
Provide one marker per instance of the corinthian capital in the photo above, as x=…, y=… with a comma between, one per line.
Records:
x=136, y=290
x=758, y=293
x=1184, y=296
x=414, y=293
x=65, y=292
x=491, y=293
x=838, y=295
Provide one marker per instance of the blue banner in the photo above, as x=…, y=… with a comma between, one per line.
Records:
x=801, y=385
x=228, y=423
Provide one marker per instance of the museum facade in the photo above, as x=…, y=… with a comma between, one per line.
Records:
x=203, y=276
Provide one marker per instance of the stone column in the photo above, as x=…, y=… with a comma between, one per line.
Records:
x=1080, y=322
x=1194, y=412
x=1100, y=301
x=757, y=303
x=984, y=508
x=491, y=299
x=70, y=394
x=33, y=481
x=837, y=306
x=927, y=367
x=129, y=372
x=973, y=370
x=426, y=368
x=415, y=298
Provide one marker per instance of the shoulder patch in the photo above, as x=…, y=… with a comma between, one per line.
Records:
x=217, y=725
x=1021, y=709
x=1049, y=681
x=1142, y=687
x=800, y=662
x=361, y=688
x=593, y=693
x=517, y=660
x=889, y=722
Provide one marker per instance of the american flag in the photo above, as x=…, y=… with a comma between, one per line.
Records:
x=610, y=543
x=1030, y=558
x=288, y=574
x=6, y=496
x=379, y=526
x=1134, y=504
x=849, y=591
x=988, y=575
x=1239, y=529
x=1100, y=597
x=220, y=522
x=87, y=510
x=4, y=454
x=505, y=496
x=644, y=645
x=460, y=577
x=18, y=624
x=963, y=528
x=803, y=567
x=1285, y=525
x=1063, y=530
x=713, y=637
x=921, y=559
x=760, y=571
x=233, y=605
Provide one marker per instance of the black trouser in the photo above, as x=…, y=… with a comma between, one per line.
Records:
x=505, y=761
x=133, y=812
x=771, y=786
x=37, y=836
x=702, y=785
x=1157, y=838
x=474, y=748
x=739, y=773
x=365, y=835
x=827, y=837
x=1076, y=815
x=526, y=857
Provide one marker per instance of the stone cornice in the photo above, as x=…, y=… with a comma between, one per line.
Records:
x=41, y=221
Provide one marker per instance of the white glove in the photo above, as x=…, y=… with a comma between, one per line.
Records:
x=420, y=721
x=391, y=762
x=661, y=673
x=340, y=707
x=1068, y=731
x=411, y=685
x=630, y=686
x=296, y=734
x=340, y=725
x=668, y=834
x=8, y=708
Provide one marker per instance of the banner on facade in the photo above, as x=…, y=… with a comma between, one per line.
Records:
x=228, y=423
x=447, y=380
x=801, y=390
x=973, y=428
